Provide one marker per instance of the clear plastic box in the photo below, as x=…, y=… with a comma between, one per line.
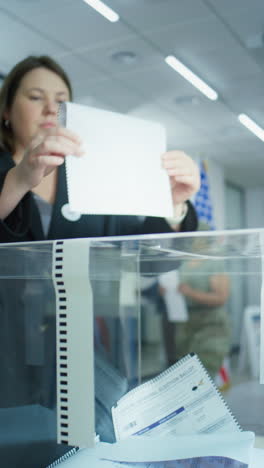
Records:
x=85, y=320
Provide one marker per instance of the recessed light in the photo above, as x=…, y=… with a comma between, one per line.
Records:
x=188, y=100
x=125, y=57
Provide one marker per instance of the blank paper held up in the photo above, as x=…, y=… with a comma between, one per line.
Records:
x=121, y=171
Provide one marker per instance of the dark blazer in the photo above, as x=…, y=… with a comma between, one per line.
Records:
x=24, y=223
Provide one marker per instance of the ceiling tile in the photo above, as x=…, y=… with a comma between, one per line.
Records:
x=222, y=65
x=244, y=17
x=246, y=94
x=201, y=113
x=189, y=38
x=151, y=14
x=116, y=95
x=33, y=43
x=80, y=72
x=226, y=6
x=145, y=56
x=179, y=134
x=76, y=24
x=156, y=81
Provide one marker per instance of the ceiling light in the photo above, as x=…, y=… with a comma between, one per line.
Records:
x=252, y=126
x=191, y=77
x=103, y=9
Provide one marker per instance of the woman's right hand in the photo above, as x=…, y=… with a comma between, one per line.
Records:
x=46, y=151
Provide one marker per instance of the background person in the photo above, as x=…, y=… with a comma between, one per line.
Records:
x=205, y=284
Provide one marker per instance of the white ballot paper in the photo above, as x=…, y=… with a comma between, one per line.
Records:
x=176, y=307
x=121, y=171
x=181, y=400
x=232, y=450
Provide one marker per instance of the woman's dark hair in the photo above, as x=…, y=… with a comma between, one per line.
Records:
x=11, y=85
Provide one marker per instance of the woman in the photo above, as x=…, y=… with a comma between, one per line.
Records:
x=32, y=173
x=205, y=284
x=33, y=201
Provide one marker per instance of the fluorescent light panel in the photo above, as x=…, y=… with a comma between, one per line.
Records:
x=103, y=9
x=251, y=125
x=191, y=77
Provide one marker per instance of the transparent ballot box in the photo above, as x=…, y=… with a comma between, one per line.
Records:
x=85, y=320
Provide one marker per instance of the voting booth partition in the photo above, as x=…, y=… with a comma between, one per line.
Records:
x=71, y=329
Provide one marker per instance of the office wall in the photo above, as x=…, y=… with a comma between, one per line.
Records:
x=254, y=207
x=217, y=189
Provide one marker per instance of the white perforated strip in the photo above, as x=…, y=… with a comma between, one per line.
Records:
x=74, y=330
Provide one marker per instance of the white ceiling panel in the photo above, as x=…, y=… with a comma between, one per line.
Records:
x=91, y=100
x=245, y=17
x=73, y=23
x=201, y=113
x=116, y=95
x=179, y=135
x=81, y=73
x=247, y=85
x=145, y=56
x=189, y=38
x=239, y=8
x=40, y=6
x=20, y=41
x=152, y=14
x=226, y=6
x=246, y=23
x=228, y=147
x=223, y=65
x=250, y=107
x=156, y=81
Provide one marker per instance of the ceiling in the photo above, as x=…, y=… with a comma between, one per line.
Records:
x=220, y=40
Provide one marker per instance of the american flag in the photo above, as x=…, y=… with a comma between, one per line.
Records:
x=202, y=200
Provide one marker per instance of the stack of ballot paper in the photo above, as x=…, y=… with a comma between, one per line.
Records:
x=199, y=451
x=178, y=420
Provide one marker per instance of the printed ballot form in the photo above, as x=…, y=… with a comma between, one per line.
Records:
x=182, y=400
x=120, y=172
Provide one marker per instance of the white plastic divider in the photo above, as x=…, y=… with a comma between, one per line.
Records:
x=75, y=350
x=261, y=373
x=250, y=342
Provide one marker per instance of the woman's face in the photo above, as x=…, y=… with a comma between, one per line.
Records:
x=35, y=105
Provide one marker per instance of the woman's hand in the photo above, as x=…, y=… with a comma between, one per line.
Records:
x=216, y=296
x=183, y=173
x=46, y=151
x=185, y=289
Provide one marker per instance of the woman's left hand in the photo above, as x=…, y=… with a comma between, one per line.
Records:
x=183, y=173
